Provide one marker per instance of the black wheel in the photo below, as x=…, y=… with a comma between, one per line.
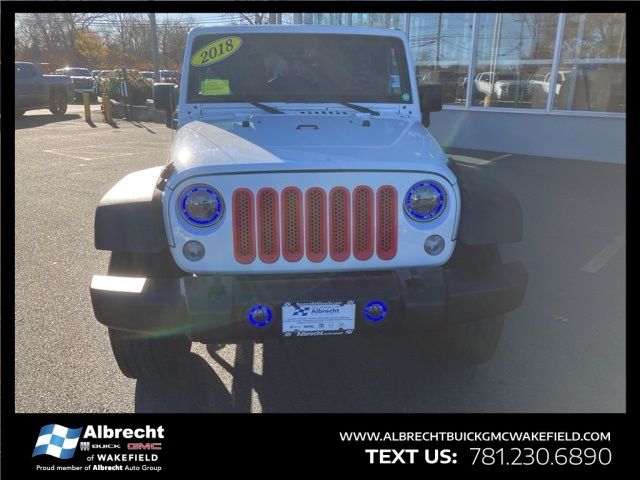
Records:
x=20, y=113
x=474, y=342
x=145, y=355
x=467, y=344
x=58, y=102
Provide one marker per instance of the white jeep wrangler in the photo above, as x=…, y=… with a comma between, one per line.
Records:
x=303, y=196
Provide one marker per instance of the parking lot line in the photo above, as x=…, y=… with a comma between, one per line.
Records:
x=506, y=155
x=469, y=160
x=77, y=157
x=256, y=404
x=604, y=255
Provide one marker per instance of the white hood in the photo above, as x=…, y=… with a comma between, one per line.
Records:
x=337, y=141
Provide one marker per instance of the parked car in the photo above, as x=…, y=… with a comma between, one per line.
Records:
x=560, y=80
x=504, y=86
x=35, y=90
x=83, y=81
x=303, y=197
x=171, y=76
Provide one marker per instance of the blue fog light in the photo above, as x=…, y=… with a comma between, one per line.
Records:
x=434, y=245
x=260, y=316
x=375, y=311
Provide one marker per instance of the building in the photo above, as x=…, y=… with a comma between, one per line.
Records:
x=497, y=70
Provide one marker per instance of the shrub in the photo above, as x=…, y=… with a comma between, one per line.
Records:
x=136, y=84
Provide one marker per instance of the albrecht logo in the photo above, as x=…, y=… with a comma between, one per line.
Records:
x=57, y=441
x=302, y=311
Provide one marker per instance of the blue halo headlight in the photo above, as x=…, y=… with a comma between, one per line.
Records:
x=425, y=201
x=201, y=205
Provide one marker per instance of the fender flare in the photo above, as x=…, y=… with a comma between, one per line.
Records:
x=490, y=213
x=129, y=216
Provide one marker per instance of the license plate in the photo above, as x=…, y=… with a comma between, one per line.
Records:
x=312, y=319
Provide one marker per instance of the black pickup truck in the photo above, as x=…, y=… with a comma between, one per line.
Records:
x=36, y=90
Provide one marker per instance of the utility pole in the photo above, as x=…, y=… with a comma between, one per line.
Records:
x=154, y=47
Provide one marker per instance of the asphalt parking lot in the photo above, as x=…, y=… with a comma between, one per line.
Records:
x=562, y=351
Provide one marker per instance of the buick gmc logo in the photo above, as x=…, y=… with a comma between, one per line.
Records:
x=144, y=446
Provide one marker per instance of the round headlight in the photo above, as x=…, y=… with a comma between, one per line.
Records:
x=201, y=205
x=425, y=201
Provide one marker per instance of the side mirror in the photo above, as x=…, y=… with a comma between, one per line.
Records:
x=165, y=98
x=430, y=97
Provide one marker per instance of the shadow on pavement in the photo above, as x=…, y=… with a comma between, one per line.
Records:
x=30, y=121
x=196, y=389
x=359, y=375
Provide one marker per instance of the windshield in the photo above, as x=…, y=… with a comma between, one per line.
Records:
x=298, y=68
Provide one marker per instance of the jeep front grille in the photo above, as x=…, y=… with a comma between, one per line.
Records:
x=315, y=224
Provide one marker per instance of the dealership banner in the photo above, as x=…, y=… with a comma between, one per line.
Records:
x=169, y=445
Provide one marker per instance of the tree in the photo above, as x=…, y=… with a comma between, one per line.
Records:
x=91, y=48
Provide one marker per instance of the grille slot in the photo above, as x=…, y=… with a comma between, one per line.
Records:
x=244, y=247
x=387, y=222
x=292, y=248
x=362, y=222
x=316, y=211
x=268, y=228
x=340, y=233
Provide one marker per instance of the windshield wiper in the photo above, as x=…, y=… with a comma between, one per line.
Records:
x=359, y=108
x=264, y=107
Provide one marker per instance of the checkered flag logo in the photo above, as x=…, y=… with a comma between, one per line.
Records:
x=57, y=441
x=302, y=311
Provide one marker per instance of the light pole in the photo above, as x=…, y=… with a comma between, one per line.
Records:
x=154, y=47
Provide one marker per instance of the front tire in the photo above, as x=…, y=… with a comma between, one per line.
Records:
x=58, y=102
x=474, y=342
x=147, y=356
x=468, y=344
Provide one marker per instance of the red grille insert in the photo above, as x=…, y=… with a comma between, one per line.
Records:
x=244, y=247
x=316, y=210
x=362, y=222
x=387, y=222
x=339, y=231
x=268, y=229
x=292, y=248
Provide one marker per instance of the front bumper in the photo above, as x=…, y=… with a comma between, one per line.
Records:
x=214, y=308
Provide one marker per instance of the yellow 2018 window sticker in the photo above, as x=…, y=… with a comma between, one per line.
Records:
x=216, y=51
x=214, y=86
